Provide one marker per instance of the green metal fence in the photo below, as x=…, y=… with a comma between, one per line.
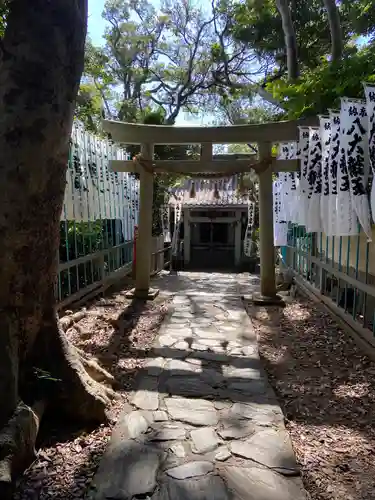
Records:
x=342, y=272
x=99, y=214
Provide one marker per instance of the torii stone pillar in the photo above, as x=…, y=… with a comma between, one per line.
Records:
x=266, y=242
x=144, y=241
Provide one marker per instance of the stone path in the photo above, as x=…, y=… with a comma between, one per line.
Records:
x=205, y=424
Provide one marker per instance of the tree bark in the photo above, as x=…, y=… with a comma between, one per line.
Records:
x=41, y=62
x=335, y=29
x=290, y=38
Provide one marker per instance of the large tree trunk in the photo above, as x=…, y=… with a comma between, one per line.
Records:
x=290, y=38
x=335, y=29
x=41, y=62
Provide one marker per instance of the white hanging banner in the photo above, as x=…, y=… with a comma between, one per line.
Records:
x=93, y=191
x=347, y=222
x=295, y=181
x=334, y=156
x=294, y=193
x=355, y=145
x=284, y=207
x=314, y=178
x=370, y=105
x=304, y=184
x=293, y=184
x=248, y=242
x=325, y=136
x=177, y=226
x=288, y=151
x=293, y=146
x=287, y=196
x=282, y=151
x=165, y=221
x=280, y=226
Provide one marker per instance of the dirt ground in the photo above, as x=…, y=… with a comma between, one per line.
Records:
x=119, y=335
x=326, y=387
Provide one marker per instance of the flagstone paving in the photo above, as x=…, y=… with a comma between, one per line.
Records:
x=204, y=422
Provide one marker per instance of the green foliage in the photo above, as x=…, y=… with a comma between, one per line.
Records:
x=3, y=16
x=321, y=88
x=44, y=375
x=258, y=24
x=79, y=239
x=89, y=107
x=95, y=89
x=321, y=83
x=246, y=110
x=240, y=149
x=82, y=238
x=359, y=16
x=262, y=114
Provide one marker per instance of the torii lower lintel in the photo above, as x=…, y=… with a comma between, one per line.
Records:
x=225, y=167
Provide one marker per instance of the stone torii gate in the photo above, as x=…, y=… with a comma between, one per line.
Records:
x=147, y=136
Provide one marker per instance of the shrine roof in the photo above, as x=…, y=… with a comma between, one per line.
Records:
x=226, y=188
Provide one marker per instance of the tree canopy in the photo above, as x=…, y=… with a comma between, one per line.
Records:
x=179, y=57
x=331, y=62
x=322, y=87
x=259, y=25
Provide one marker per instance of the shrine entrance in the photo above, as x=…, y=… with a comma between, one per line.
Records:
x=264, y=165
x=214, y=214
x=212, y=244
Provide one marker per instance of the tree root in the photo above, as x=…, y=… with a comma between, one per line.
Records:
x=83, y=394
x=96, y=372
x=57, y=374
x=17, y=444
x=75, y=385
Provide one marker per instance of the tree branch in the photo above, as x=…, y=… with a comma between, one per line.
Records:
x=335, y=29
x=290, y=38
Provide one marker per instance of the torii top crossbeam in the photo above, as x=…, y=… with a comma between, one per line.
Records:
x=129, y=133
x=134, y=133
x=149, y=135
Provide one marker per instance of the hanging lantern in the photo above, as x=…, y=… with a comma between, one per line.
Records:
x=216, y=192
x=192, y=190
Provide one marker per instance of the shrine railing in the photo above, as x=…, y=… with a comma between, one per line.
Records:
x=324, y=214
x=341, y=270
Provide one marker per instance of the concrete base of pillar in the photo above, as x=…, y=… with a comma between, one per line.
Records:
x=262, y=300
x=149, y=294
